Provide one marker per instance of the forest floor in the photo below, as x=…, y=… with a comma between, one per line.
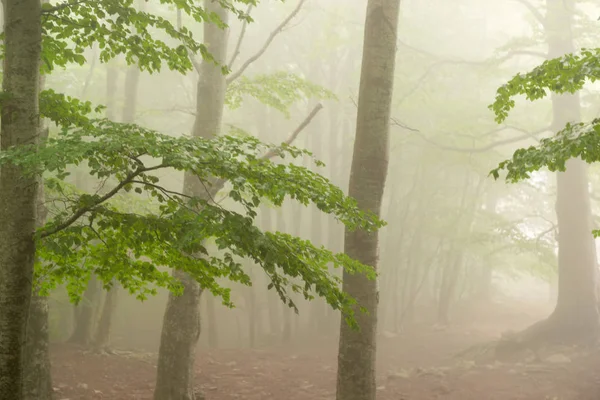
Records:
x=421, y=365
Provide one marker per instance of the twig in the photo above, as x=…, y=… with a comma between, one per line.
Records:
x=482, y=149
x=190, y=54
x=272, y=153
x=219, y=184
x=538, y=15
x=101, y=200
x=265, y=46
x=50, y=10
x=236, y=52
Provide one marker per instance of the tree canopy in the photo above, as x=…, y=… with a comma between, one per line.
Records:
x=566, y=74
x=108, y=234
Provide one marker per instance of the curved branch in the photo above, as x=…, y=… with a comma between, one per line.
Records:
x=482, y=149
x=195, y=63
x=265, y=46
x=79, y=213
x=534, y=11
x=218, y=185
x=272, y=153
x=236, y=52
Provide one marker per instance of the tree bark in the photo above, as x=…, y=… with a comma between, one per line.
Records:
x=20, y=125
x=85, y=314
x=357, y=349
x=576, y=309
x=181, y=324
x=37, y=382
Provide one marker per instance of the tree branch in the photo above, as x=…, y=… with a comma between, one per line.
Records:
x=195, y=63
x=482, y=149
x=236, y=52
x=273, y=153
x=219, y=184
x=79, y=213
x=265, y=46
x=50, y=10
x=534, y=11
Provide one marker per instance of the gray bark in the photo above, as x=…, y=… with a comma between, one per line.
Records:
x=20, y=125
x=37, y=382
x=576, y=310
x=84, y=314
x=181, y=324
x=357, y=349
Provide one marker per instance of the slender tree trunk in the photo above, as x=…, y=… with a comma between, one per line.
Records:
x=20, y=125
x=286, y=334
x=102, y=335
x=112, y=77
x=357, y=349
x=85, y=314
x=181, y=324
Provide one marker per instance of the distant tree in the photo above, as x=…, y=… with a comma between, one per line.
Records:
x=575, y=317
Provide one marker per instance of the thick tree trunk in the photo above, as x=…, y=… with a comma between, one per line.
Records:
x=18, y=193
x=37, y=382
x=575, y=318
x=576, y=309
x=357, y=349
x=211, y=320
x=181, y=324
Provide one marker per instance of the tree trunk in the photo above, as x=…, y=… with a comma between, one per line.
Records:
x=102, y=335
x=132, y=78
x=181, y=324
x=357, y=349
x=576, y=308
x=37, y=382
x=85, y=313
x=287, y=312
x=112, y=76
x=20, y=125
x=211, y=321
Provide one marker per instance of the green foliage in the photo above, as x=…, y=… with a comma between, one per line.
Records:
x=90, y=233
x=565, y=74
x=71, y=26
x=133, y=228
x=279, y=90
x=64, y=110
x=576, y=140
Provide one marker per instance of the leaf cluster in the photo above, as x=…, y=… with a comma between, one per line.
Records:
x=278, y=90
x=566, y=74
x=90, y=234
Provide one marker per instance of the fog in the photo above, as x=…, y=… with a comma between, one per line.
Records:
x=464, y=258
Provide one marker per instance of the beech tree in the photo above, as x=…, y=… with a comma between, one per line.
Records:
x=120, y=245
x=575, y=317
x=357, y=349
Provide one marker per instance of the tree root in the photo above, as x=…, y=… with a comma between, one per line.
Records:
x=529, y=343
